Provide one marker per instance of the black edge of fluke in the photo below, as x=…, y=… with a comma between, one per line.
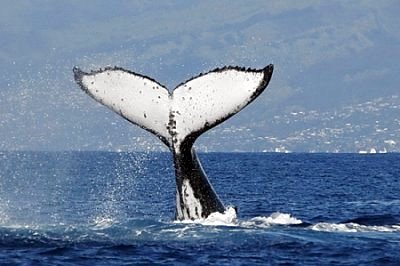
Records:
x=268, y=70
x=78, y=74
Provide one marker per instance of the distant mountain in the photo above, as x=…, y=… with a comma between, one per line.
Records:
x=336, y=70
x=372, y=126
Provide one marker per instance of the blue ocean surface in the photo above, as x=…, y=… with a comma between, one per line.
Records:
x=109, y=208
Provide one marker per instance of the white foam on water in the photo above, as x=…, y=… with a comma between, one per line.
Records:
x=228, y=218
x=276, y=218
x=181, y=232
x=103, y=222
x=354, y=228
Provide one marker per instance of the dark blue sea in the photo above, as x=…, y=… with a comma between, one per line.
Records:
x=109, y=208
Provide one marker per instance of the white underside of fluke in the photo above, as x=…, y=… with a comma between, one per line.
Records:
x=199, y=103
x=136, y=98
x=210, y=98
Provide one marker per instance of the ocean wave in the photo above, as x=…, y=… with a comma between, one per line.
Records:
x=394, y=202
x=107, y=229
x=229, y=218
x=354, y=228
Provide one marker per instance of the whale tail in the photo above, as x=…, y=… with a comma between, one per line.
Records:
x=177, y=118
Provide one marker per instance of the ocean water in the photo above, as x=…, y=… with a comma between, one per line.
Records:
x=106, y=208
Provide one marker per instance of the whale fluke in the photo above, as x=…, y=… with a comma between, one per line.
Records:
x=179, y=117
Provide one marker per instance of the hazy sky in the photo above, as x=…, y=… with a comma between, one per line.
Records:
x=326, y=54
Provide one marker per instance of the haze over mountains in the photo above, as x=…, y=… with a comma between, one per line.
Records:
x=335, y=86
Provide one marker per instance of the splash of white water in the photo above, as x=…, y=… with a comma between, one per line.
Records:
x=228, y=218
x=3, y=214
x=103, y=222
x=276, y=218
